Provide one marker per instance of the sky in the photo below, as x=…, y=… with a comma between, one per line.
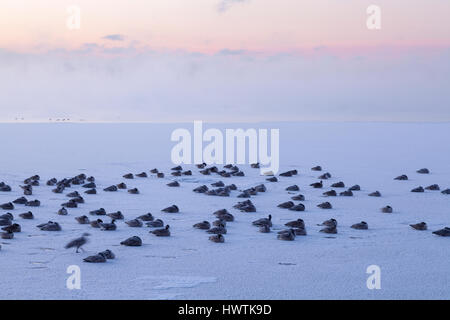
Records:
x=224, y=60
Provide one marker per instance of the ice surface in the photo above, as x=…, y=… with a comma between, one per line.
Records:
x=249, y=265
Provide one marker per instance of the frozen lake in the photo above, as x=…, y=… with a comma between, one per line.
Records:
x=249, y=265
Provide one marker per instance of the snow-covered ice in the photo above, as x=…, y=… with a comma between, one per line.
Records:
x=249, y=265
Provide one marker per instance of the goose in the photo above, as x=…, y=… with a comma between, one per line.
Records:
x=142, y=175
x=21, y=200
x=218, y=238
x=108, y=254
x=387, y=209
x=133, y=191
x=331, y=193
x=155, y=224
x=112, y=188
x=121, y=186
x=116, y=215
x=27, y=215
x=218, y=230
x=419, y=226
x=50, y=226
x=272, y=179
x=171, y=209
x=339, y=184
x=78, y=242
x=433, y=187
x=360, y=226
x=173, y=184
x=108, y=226
x=325, y=205
x=418, y=189
x=443, y=232
x=286, y=205
x=316, y=168
x=165, y=232
x=91, y=191
x=297, y=207
x=128, y=176
x=317, y=185
x=329, y=223
x=286, y=236
x=204, y=225
x=99, y=212
x=7, y=235
x=82, y=220
x=98, y=258
x=263, y=221
x=298, y=197
x=299, y=223
x=347, y=193
x=356, y=187
x=15, y=227
x=423, y=171
x=401, y=177
x=332, y=230
x=135, y=223
x=146, y=217
x=375, y=194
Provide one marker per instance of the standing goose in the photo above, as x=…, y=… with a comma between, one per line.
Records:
x=78, y=242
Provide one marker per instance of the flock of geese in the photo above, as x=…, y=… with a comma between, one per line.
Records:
x=217, y=229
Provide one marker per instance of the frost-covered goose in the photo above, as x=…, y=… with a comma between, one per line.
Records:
x=263, y=221
x=218, y=238
x=78, y=243
x=146, y=217
x=98, y=258
x=134, y=241
x=419, y=226
x=165, y=232
x=155, y=224
x=204, y=225
x=135, y=223
x=27, y=215
x=360, y=226
x=82, y=219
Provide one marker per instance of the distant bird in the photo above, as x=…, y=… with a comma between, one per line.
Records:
x=27, y=215
x=5, y=222
x=134, y=241
x=423, y=171
x=15, y=227
x=272, y=179
x=418, y=189
x=201, y=189
x=299, y=223
x=220, y=229
x=96, y=223
x=165, y=232
x=171, y=209
x=7, y=235
x=347, y=193
x=108, y=226
x=98, y=258
x=446, y=191
x=91, y=191
x=329, y=223
x=356, y=187
x=146, y=217
x=317, y=185
x=50, y=226
x=112, y=188
x=121, y=185
x=142, y=175
x=443, y=232
x=78, y=242
x=286, y=205
x=82, y=220
x=99, y=212
x=293, y=188
x=299, y=197
x=401, y=177
x=73, y=194
x=62, y=212
x=387, y=209
x=219, y=222
x=287, y=236
x=21, y=200
x=325, y=176
x=7, y=206
x=8, y=216
x=360, y=226
x=419, y=226
x=375, y=194
x=339, y=184
x=155, y=224
x=433, y=187
x=316, y=168
x=325, y=205
x=154, y=170
x=264, y=228
x=173, y=184
x=204, y=225
x=331, y=193
x=108, y=254
x=135, y=223
x=332, y=230
x=128, y=176
x=263, y=221
x=116, y=215
x=133, y=191
x=218, y=238
x=297, y=207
